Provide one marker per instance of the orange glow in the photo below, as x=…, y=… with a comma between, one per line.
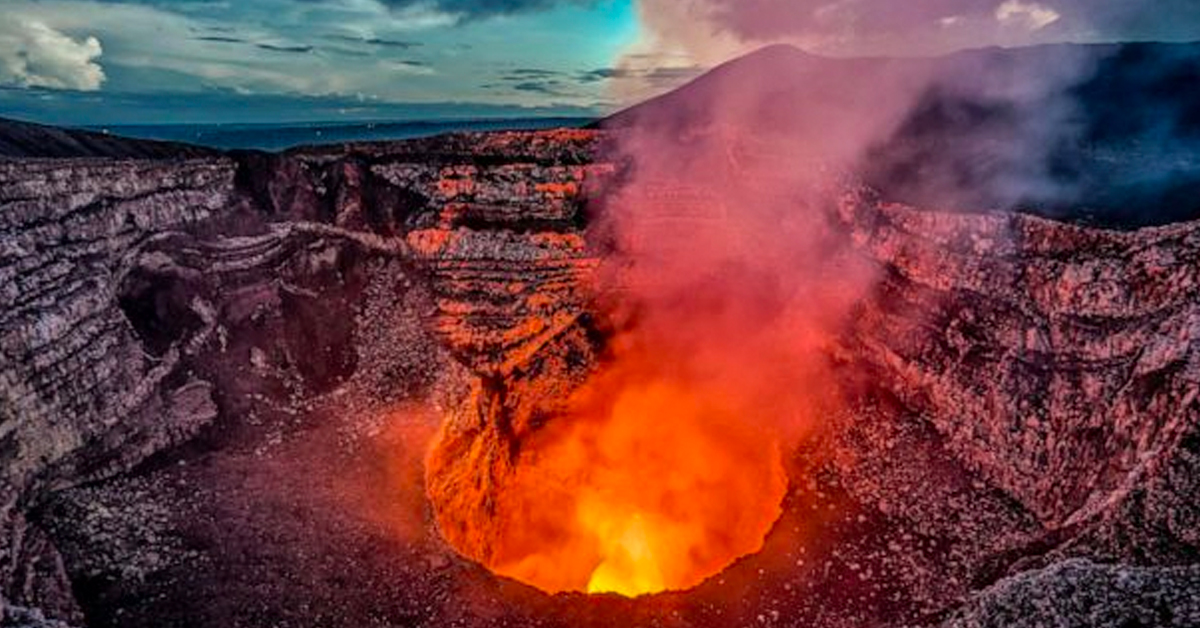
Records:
x=640, y=487
x=720, y=299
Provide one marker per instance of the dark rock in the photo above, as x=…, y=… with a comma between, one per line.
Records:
x=20, y=617
x=1081, y=594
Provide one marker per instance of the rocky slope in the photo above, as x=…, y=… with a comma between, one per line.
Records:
x=216, y=372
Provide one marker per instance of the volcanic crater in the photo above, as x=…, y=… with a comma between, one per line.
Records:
x=525, y=379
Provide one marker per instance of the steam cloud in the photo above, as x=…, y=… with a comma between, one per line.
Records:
x=728, y=278
x=725, y=260
x=858, y=27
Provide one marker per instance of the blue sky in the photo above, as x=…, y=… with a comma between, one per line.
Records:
x=156, y=61
x=167, y=61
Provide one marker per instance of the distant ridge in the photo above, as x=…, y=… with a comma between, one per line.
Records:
x=286, y=136
x=27, y=139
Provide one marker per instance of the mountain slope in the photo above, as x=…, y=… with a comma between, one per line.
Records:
x=1106, y=134
x=26, y=139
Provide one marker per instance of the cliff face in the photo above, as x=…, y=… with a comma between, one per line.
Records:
x=84, y=395
x=193, y=348
x=78, y=366
x=1059, y=362
x=1056, y=365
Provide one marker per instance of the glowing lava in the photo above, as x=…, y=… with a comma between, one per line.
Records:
x=655, y=489
x=712, y=322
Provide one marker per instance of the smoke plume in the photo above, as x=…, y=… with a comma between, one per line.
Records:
x=730, y=278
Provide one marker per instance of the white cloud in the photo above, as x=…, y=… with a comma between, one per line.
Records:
x=1030, y=15
x=33, y=54
x=165, y=48
x=291, y=47
x=408, y=67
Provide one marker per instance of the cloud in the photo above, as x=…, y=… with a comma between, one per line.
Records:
x=538, y=87
x=1029, y=15
x=34, y=55
x=222, y=39
x=302, y=49
x=399, y=51
x=261, y=45
x=521, y=74
x=474, y=9
x=717, y=29
x=346, y=52
x=156, y=48
x=270, y=47
x=376, y=41
x=662, y=76
x=603, y=74
x=408, y=66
